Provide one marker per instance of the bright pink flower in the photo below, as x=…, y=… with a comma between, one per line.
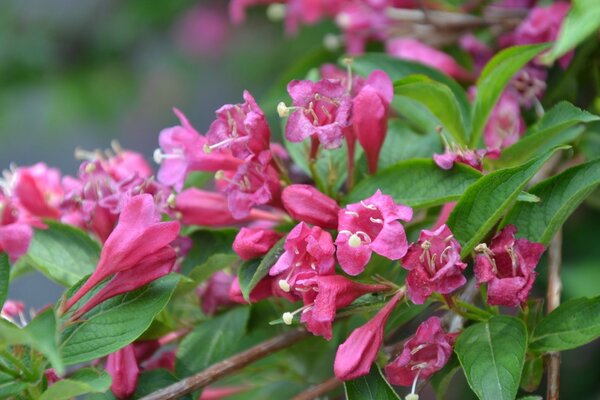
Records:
x=324, y=295
x=138, y=235
x=308, y=251
x=182, y=152
x=355, y=356
x=123, y=369
x=252, y=243
x=38, y=190
x=413, y=50
x=12, y=309
x=200, y=207
x=214, y=293
x=154, y=266
x=323, y=109
x=434, y=265
x=371, y=225
x=423, y=354
x=456, y=154
x=262, y=290
x=363, y=20
x=219, y=393
x=305, y=203
x=51, y=377
x=505, y=125
x=242, y=128
x=15, y=231
x=255, y=183
x=508, y=267
x=126, y=163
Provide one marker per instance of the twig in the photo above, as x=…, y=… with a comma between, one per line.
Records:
x=319, y=389
x=553, y=301
x=228, y=366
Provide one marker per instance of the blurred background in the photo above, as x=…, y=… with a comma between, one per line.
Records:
x=81, y=73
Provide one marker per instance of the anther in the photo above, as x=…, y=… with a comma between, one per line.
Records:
x=283, y=110
x=368, y=206
x=284, y=285
x=376, y=220
x=354, y=240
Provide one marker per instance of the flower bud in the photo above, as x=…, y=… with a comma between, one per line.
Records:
x=124, y=370
x=307, y=204
x=254, y=242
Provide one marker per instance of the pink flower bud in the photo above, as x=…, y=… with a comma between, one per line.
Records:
x=305, y=203
x=355, y=356
x=200, y=207
x=124, y=371
x=252, y=243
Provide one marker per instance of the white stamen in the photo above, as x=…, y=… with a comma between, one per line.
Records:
x=171, y=200
x=354, y=241
x=284, y=285
x=287, y=317
x=283, y=110
x=369, y=206
x=353, y=213
x=276, y=12
x=376, y=220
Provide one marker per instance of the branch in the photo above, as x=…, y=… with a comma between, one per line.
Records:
x=228, y=366
x=319, y=390
x=553, y=301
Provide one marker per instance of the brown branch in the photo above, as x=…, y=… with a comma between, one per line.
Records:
x=228, y=366
x=319, y=390
x=553, y=301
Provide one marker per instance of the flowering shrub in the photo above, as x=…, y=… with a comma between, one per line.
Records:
x=394, y=238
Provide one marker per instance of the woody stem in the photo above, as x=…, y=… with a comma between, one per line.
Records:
x=318, y=390
x=553, y=301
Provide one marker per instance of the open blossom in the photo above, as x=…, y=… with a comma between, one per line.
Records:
x=182, y=151
x=242, y=128
x=308, y=252
x=321, y=110
x=38, y=190
x=423, y=354
x=122, y=367
x=434, y=265
x=371, y=226
x=15, y=229
x=138, y=235
x=505, y=125
x=324, y=295
x=306, y=203
x=355, y=356
x=414, y=50
x=508, y=267
x=252, y=243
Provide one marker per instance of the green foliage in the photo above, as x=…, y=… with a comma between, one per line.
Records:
x=573, y=324
x=533, y=371
x=483, y=203
x=211, y=341
x=417, y=182
x=370, y=387
x=251, y=272
x=492, y=354
x=83, y=381
x=561, y=195
x=207, y=242
x=153, y=380
x=402, y=143
x=492, y=81
x=63, y=253
x=116, y=322
x=4, y=277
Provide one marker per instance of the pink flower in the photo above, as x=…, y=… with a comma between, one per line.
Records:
x=38, y=190
x=15, y=231
x=322, y=110
x=12, y=309
x=252, y=243
x=308, y=251
x=138, y=235
x=242, y=128
x=363, y=20
x=182, y=152
x=434, y=265
x=371, y=225
x=505, y=125
x=324, y=295
x=508, y=267
x=123, y=369
x=214, y=293
x=200, y=207
x=457, y=154
x=262, y=290
x=423, y=354
x=126, y=163
x=370, y=115
x=203, y=31
x=479, y=50
x=307, y=204
x=149, y=269
x=355, y=356
x=413, y=50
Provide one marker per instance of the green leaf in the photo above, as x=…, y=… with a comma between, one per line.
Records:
x=560, y=125
x=370, y=387
x=492, y=354
x=87, y=380
x=398, y=69
x=533, y=372
x=573, y=324
x=211, y=341
x=215, y=263
x=207, y=242
x=251, y=272
x=492, y=81
x=439, y=100
x=417, y=183
x=4, y=278
x=484, y=202
x=561, y=195
x=116, y=322
x=582, y=21
x=402, y=143
x=440, y=381
x=63, y=253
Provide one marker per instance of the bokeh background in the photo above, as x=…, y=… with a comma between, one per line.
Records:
x=82, y=73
